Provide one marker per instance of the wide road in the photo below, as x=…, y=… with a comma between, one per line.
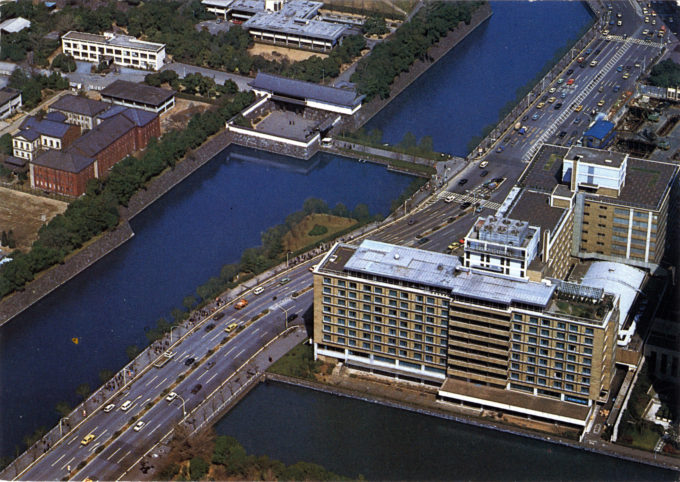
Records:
x=197, y=378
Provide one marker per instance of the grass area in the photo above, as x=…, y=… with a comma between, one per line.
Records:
x=299, y=363
x=549, y=163
x=308, y=231
x=644, y=439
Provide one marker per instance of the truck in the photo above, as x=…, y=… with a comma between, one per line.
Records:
x=240, y=304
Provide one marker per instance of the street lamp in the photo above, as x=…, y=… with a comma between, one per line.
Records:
x=184, y=411
x=60, y=430
x=287, y=253
x=172, y=328
x=285, y=312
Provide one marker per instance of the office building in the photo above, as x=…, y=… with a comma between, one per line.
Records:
x=543, y=349
x=139, y=96
x=121, y=50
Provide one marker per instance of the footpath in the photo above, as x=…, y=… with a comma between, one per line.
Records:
x=422, y=399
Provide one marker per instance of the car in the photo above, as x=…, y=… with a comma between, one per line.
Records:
x=645, y=31
x=578, y=108
x=593, y=63
x=138, y=426
x=284, y=281
x=450, y=198
x=540, y=105
x=600, y=103
x=600, y=88
x=210, y=327
x=619, y=68
x=617, y=88
x=560, y=80
x=484, y=173
x=462, y=182
x=127, y=404
x=563, y=95
x=423, y=240
x=525, y=117
x=465, y=205
x=589, y=51
x=483, y=164
x=637, y=65
x=562, y=134
x=479, y=209
x=570, y=71
x=258, y=290
x=570, y=82
x=579, y=60
x=500, y=149
x=189, y=361
x=626, y=75
x=109, y=407
x=619, y=15
x=196, y=388
x=552, y=89
x=411, y=222
x=218, y=316
x=454, y=245
x=558, y=106
x=605, y=32
x=551, y=100
x=534, y=117
x=240, y=304
x=628, y=67
x=231, y=327
x=577, y=120
x=171, y=396
x=653, y=22
x=88, y=438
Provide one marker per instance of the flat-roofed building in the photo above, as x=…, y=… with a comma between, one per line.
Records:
x=10, y=101
x=139, y=96
x=307, y=94
x=620, y=204
x=218, y=7
x=79, y=110
x=121, y=50
x=540, y=349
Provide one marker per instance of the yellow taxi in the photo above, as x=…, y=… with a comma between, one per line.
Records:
x=601, y=103
x=88, y=438
x=552, y=99
x=230, y=328
x=540, y=105
x=578, y=108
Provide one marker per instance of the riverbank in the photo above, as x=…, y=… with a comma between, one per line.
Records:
x=422, y=400
x=419, y=67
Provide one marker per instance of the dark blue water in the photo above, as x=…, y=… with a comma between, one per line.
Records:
x=180, y=241
x=350, y=437
x=463, y=93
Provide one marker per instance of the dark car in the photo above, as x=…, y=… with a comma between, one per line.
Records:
x=462, y=182
x=189, y=361
x=577, y=120
x=210, y=327
x=562, y=134
x=411, y=221
x=465, y=205
x=558, y=105
x=218, y=316
x=525, y=117
x=423, y=240
x=196, y=388
x=570, y=71
x=484, y=173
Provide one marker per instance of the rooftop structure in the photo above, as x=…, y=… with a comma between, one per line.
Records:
x=343, y=101
x=10, y=101
x=14, y=25
x=122, y=50
x=78, y=110
x=140, y=96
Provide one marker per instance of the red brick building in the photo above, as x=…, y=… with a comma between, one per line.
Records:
x=118, y=133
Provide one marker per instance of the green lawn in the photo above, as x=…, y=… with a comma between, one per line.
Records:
x=298, y=363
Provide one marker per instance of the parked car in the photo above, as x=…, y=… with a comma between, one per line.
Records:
x=484, y=173
x=189, y=361
x=196, y=388
x=462, y=182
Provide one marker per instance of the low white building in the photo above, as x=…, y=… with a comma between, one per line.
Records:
x=121, y=50
x=10, y=101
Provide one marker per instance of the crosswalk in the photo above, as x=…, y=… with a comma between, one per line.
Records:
x=646, y=43
x=462, y=198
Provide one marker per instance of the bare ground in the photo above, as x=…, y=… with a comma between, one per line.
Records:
x=298, y=238
x=278, y=53
x=25, y=213
x=184, y=110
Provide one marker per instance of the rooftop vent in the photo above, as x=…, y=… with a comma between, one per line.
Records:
x=608, y=161
x=396, y=255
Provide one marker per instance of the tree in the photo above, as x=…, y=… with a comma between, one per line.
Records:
x=361, y=213
x=105, y=375
x=132, y=351
x=64, y=62
x=340, y=210
x=6, y=144
x=83, y=390
x=198, y=468
x=189, y=302
x=63, y=409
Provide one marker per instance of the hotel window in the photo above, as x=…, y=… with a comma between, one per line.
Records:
x=545, y=342
x=586, y=361
x=418, y=307
x=531, y=349
x=377, y=290
x=366, y=345
x=326, y=338
x=542, y=371
x=352, y=333
x=517, y=337
x=326, y=328
x=392, y=303
x=367, y=288
x=352, y=323
x=418, y=337
x=403, y=295
x=403, y=305
x=533, y=339
x=392, y=351
x=367, y=298
x=542, y=361
x=557, y=384
x=514, y=376
x=393, y=293
x=377, y=338
x=402, y=352
x=327, y=281
x=351, y=342
x=560, y=336
x=588, y=351
x=585, y=371
x=517, y=327
x=353, y=285
x=429, y=358
x=341, y=340
x=392, y=322
x=559, y=365
x=353, y=295
x=569, y=386
x=403, y=334
x=573, y=328
x=403, y=314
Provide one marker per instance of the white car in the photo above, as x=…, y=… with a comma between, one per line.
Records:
x=109, y=407
x=138, y=426
x=483, y=164
x=258, y=290
x=171, y=396
x=126, y=405
x=450, y=199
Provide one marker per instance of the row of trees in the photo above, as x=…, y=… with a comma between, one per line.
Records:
x=665, y=74
x=32, y=85
x=229, y=460
x=194, y=84
x=97, y=210
x=375, y=73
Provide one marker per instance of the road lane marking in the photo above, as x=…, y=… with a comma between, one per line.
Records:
x=125, y=455
x=160, y=383
x=156, y=428
x=92, y=449
x=117, y=450
x=211, y=378
x=63, y=467
x=256, y=330
x=230, y=351
x=151, y=381
x=57, y=461
x=205, y=372
x=239, y=353
x=72, y=440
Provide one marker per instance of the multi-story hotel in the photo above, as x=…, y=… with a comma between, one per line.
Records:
x=543, y=349
x=121, y=50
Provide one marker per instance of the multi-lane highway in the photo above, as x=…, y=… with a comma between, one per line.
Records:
x=116, y=445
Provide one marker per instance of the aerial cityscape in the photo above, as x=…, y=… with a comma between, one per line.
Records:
x=339, y=239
